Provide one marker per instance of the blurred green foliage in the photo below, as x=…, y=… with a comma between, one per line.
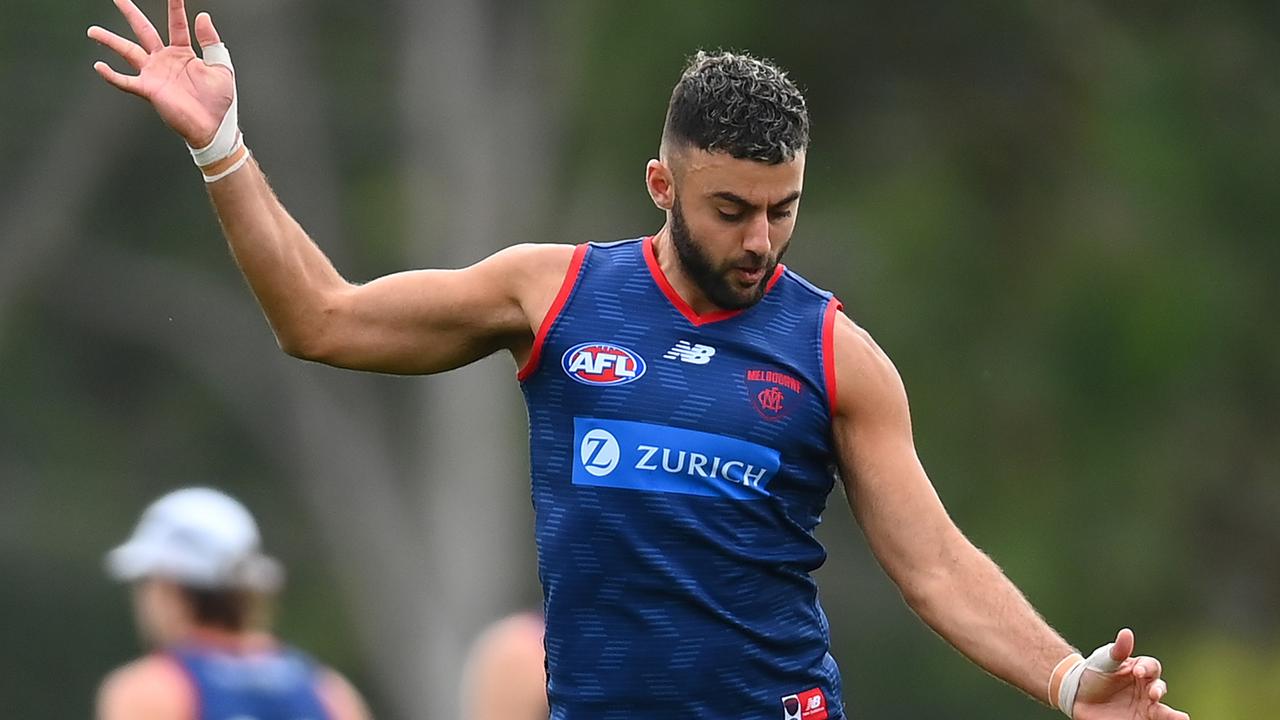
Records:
x=1058, y=218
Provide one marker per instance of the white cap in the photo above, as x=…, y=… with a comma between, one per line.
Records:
x=198, y=537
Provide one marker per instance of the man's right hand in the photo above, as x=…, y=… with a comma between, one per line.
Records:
x=190, y=96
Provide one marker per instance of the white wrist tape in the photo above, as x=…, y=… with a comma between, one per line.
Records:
x=225, y=140
x=235, y=164
x=1099, y=661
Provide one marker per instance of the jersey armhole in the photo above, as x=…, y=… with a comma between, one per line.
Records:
x=829, y=350
x=553, y=313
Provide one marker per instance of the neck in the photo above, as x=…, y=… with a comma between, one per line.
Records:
x=234, y=640
x=669, y=261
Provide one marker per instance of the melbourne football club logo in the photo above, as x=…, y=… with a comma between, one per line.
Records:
x=597, y=363
x=773, y=394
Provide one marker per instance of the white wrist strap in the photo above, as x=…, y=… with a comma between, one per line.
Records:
x=227, y=138
x=1099, y=661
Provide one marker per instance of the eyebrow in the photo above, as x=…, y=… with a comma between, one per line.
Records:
x=739, y=200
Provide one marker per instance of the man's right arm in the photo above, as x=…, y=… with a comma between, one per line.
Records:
x=421, y=321
x=414, y=322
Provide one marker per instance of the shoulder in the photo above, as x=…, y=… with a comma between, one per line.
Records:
x=866, y=379
x=511, y=641
x=339, y=696
x=532, y=261
x=803, y=285
x=529, y=274
x=504, y=673
x=537, y=255
x=151, y=688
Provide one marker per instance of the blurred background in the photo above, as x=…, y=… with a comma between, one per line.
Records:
x=1059, y=219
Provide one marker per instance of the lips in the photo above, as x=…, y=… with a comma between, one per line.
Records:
x=749, y=275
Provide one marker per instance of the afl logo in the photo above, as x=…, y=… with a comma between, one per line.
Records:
x=602, y=364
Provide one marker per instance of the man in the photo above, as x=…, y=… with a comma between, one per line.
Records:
x=503, y=677
x=688, y=398
x=199, y=583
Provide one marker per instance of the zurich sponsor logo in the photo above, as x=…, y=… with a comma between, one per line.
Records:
x=660, y=458
x=597, y=363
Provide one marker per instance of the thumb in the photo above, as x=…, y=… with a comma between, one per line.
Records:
x=206, y=34
x=1123, y=646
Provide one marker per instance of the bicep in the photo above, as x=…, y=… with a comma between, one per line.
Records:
x=905, y=523
x=427, y=321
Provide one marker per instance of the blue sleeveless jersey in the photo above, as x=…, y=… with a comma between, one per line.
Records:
x=680, y=465
x=273, y=684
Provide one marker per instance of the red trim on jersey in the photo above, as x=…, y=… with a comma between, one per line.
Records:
x=685, y=309
x=562, y=297
x=829, y=350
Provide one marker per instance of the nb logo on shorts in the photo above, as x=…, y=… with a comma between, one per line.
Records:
x=808, y=705
x=686, y=351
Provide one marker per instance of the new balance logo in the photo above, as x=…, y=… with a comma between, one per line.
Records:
x=808, y=705
x=686, y=351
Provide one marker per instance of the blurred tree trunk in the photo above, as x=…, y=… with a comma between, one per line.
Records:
x=345, y=464
x=38, y=225
x=478, y=132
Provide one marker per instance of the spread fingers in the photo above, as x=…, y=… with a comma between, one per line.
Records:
x=127, y=83
x=131, y=51
x=146, y=33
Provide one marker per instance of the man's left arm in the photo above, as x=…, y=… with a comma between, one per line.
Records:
x=952, y=585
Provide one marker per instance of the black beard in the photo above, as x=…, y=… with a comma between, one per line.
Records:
x=712, y=281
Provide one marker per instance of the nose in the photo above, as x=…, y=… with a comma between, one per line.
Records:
x=756, y=235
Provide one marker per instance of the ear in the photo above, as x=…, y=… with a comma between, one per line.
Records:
x=661, y=184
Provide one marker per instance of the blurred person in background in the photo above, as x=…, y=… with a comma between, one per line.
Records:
x=695, y=402
x=200, y=589
x=504, y=676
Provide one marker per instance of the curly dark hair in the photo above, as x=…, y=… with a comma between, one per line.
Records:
x=734, y=103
